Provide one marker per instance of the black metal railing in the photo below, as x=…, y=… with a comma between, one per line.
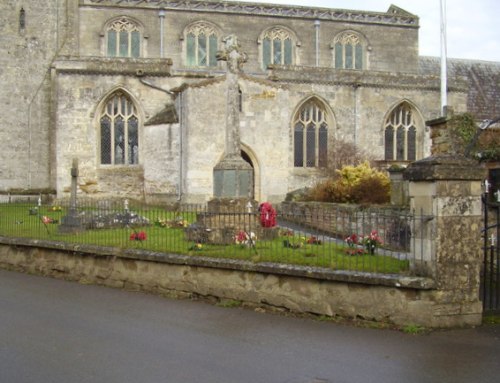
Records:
x=360, y=240
x=490, y=275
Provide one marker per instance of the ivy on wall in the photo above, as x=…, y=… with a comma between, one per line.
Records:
x=464, y=130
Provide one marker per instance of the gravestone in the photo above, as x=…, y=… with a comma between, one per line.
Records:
x=72, y=222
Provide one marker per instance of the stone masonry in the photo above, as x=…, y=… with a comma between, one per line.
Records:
x=57, y=77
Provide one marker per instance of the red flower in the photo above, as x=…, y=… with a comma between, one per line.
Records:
x=135, y=236
x=352, y=240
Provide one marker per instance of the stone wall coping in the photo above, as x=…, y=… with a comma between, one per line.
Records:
x=446, y=167
x=114, y=66
x=390, y=280
x=367, y=79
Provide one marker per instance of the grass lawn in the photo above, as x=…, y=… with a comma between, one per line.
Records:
x=166, y=234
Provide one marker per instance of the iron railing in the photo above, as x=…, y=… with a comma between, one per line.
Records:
x=329, y=238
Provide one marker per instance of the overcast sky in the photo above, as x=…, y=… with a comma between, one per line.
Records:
x=473, y=27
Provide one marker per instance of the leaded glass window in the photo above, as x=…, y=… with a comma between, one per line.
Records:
x=119, y=132
x=348, y=51
x=201, y=45
x=311, y=136
x=277, y=48
x=123, y=39
x=401, y=135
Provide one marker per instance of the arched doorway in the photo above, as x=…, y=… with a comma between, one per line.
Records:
x=249, y=157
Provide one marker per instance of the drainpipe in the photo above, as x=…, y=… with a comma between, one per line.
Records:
x=316, y=25
x=161, y=15
x=444, y=75
x=181, y=146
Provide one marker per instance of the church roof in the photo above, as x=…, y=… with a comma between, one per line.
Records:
x=483, y=95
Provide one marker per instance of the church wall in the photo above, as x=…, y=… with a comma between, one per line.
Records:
x=388, y=47
x=77, y=135
x=25, y=56
x=357, y=115
x=161, y=160
x=265, y=127
x=203, y=146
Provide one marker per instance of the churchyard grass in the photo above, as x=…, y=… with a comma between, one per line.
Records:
x=166, y=234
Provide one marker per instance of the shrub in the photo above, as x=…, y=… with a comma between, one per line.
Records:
x=372, y=190
x=353, y=184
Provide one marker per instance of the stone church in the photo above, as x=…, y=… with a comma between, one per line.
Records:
x=136, y=90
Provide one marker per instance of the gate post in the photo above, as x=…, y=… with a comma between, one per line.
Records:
x=447, y=191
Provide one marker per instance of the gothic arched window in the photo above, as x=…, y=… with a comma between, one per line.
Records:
x=348, y=51
x=277, y=47
x=119, y=131
x=310, y=135
x=123, y=38
x=401, y=134
x=201, y=45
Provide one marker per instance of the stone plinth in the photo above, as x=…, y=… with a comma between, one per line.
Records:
x=225, y=218
x=399, y=187
x=233, y=178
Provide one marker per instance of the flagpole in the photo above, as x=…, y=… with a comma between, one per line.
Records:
x=444, y=85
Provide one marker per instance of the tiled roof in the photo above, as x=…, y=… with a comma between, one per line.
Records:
x=483, y=96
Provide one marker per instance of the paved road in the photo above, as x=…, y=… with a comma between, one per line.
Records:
x=56, y=331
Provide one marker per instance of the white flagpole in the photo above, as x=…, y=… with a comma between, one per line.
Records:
x=444, y=85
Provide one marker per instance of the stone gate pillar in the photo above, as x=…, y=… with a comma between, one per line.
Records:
x=447, y=191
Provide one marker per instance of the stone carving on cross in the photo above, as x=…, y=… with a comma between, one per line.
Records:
x=233, y=54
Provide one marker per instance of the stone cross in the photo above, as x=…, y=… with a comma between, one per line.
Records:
x=74, y=184
x=72, y=222
x=233, y=54
x=232, y=175
x=235, y=58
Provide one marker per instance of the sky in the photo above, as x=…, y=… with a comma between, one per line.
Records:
x=472, y=27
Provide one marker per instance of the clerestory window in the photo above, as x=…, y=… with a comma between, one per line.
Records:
x=119, y=131
x=201, y=45
x=123, y=38
x=401, y=135
x=311, y=135
x=277, y=47
x=348, y=51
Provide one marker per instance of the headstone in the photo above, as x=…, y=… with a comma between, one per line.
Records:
x=72, y=222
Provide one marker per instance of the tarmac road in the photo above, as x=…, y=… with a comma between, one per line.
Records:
x=56, y=331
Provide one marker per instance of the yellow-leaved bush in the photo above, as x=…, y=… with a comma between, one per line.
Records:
x=354, y=184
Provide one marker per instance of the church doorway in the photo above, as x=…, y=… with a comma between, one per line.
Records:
x=247, y=156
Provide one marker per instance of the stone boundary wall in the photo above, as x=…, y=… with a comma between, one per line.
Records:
x=393, y=299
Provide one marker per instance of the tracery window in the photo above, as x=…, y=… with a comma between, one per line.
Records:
x=277, y=47
x=123, y=38
x=348, y=51
x=401, y=135
x=311, y=135
x=201, y=45
x=119, y=131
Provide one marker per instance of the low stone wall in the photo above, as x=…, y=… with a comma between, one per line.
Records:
x=387, y=298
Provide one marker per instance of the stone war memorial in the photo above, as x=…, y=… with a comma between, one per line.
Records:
x=233, y=207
